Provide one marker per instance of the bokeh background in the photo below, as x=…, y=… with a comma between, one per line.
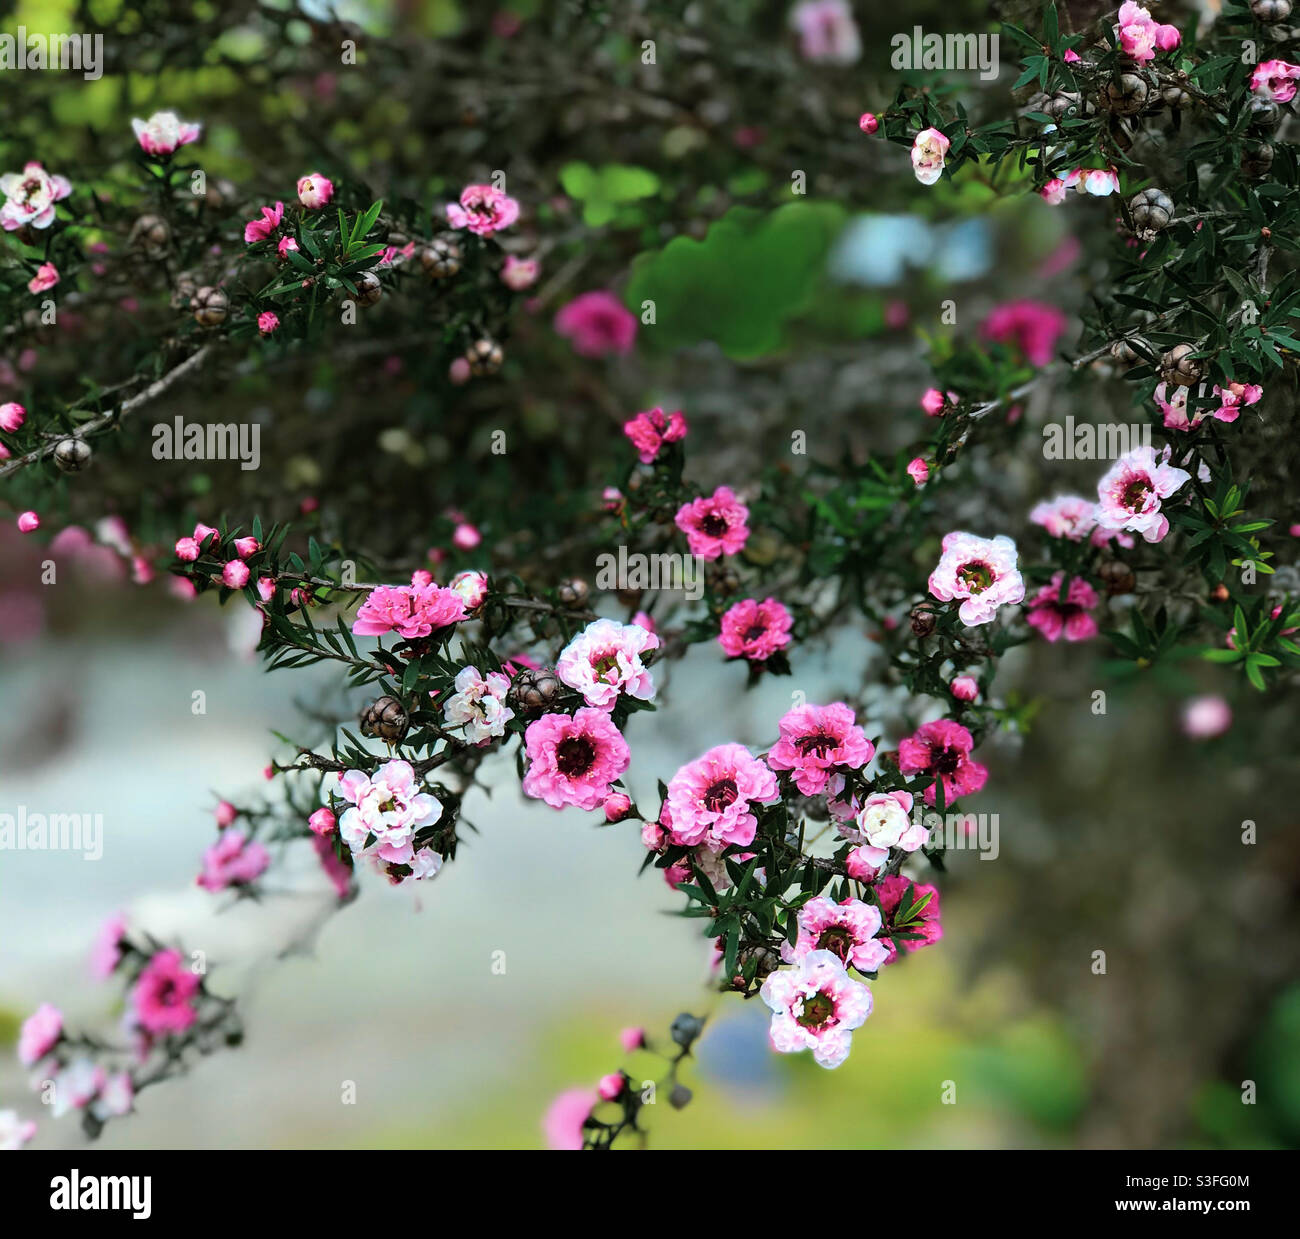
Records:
x=1118, y=833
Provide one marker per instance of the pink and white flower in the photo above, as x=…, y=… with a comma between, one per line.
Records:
x=14, y=1131
x=827, y=32
x=314, y=190
x=929, y=150
x=30, y=196
x=604, y=660
x=755, y=630
x=519, y=273
x=479, y=703
x=816, y=741
x=942, y=749
x=1130, y=493
x=472, y=586
x=574, y=760
x=106, y=950
x=918, y=471
x=846, y=929
x=711, y=799
x=76, y=1086
x=12, y=416
x=39, y=1034
x=385, y=811
x=1273, y=79
x=815, y=1006
x=884, y=821
x=483, y=209
x=164, y=132
x=47, y=275
x=1234, y=398
x=980, y=571
x=1067, y=516
x=714, y=525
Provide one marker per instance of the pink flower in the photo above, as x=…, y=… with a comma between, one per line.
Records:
x=863, y=863
x=562, y=1125
x=868, y=123
x=1071, y=57
x=617, y=806
x=187, y=549
x=980, y=571
x=1098, y=182
x=846, y=929
x=314, y=190
x=39, y=1034
x=1053, y=192
x=714, y=525
x=929, y=149
x=385, y=811
x=815, y=1006
x=649, y=431
x=164, y=995
x=267, y=322
x=827, y=32
x=1234, y=398
x=816, y=740
x=244, y=547
x=597, y=324
x=1053, y=611
x=1206, y=717
x=262, y=228
x=30, y=196
x=612, y=1085
x=322, y=823
x=482, y=209
x=1067, y=516
x=12, y=416
x=225, y=814
x=339, y=873
x=942, y=750
x=932, y=401
x=1273, y=79
x=1129, y=494
x=47, y=275
x=411, y=611
x=28, y=522
x=1136, y=32
x=1030, y=326
x=235, y=574
x=604, y=660
x=573, y=761
x=519, y=273
x=163, y=132
x=106, y=950
x=918, y=470
x=925, y=923
x=964, y=687
x=203, y=532
x=632, y=1039
x=755, y=630
x=286, y=245
x=465, y=537
x=710, y=799
x=14, y=1132
x=472, y=586
x=479, y=704
x=232, y=861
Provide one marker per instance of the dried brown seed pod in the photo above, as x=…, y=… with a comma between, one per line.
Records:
x=386, y=718
x=209, y=306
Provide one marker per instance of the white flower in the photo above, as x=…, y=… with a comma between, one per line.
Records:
x=14, y=1132
x=480, y=704
x=163, y=132
x=604, y=659
x=928, y=153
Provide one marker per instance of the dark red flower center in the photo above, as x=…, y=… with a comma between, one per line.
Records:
x=718, y=796
x=574, y=756
x=713, y=525
x=837, y=939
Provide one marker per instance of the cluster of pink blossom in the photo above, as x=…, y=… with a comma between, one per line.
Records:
x=479, y=705
x=483, y=209
x=386, y=811
x=649, y=431
x=605, y=660
x=1232, y=399
x=411, y=611
x=1141, y=36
